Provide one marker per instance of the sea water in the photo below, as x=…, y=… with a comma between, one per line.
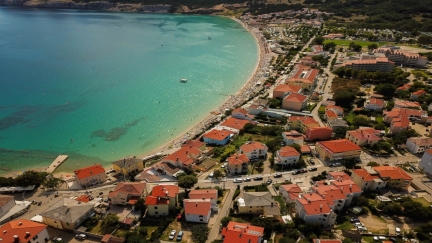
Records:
x=99, y=86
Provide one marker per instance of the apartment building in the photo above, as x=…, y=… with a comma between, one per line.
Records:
x=293, y=137
x=287, y=156
x=283, y=90
x=237, y=164
x=418, y=145
x=254, y=150
x=294, y=102
x=301, y=123
x=318, y=133
x=337, y=150
x=368, y=179
x=364, y=136
x=381, y=64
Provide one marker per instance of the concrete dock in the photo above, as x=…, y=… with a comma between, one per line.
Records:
x=56, y=163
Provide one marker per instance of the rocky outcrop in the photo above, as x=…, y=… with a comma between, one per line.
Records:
x=96, y=5
x=11, y=2
x=130, y=7
x=212, y=10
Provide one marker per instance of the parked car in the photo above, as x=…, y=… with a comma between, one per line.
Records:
x=81, y=236
x=296, y=172
x=269, y=181
x=57, y=239
x=354, y=220
x=237, y=180
x=172, y=234
x=258, y=178
x=277, y=175
x=179, y=235
x=246, y=179
x=312, y=162
x=313, y=169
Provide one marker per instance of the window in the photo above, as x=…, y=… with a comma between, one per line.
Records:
x=155, y=208
x=250, y=211
x=156, y=213
x=201, y=220
x=250, y=207
x=34, y=238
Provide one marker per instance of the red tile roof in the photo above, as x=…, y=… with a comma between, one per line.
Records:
x=288, y=151
x=305, y=149
x=249, y=147
x=362, y=173
x=330, y=113
x=334, y=107
x=185, y=155
x=83, y=198
x=347, y=186
x=242, y=233
x=392, y=172
x=293, y=190
x=89, y=171
x=374, y=101
x=315, y=207
x=129, y=188
x=203, y=193
x=197, y=206
x=339, y=146
x=339, y=175
x=194, y=143
x=4, y=199
x=151, y=200
x=406, y=104
x=218, y=135
x=238, y=159
x=240, y=110
x=287, y=88
x=235, y=123
x=294, y=97
x=165, y=190
x=19, y=228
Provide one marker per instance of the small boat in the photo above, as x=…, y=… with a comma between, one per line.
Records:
x=183, y=80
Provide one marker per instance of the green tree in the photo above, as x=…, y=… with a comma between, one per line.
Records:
x=226, y=220
x=362, y=121
x=372, y=46
x=109, y=223
x=319, y=40
x=51, y=183
x=200, y=233
x=187, y=181
x=217, y=174
x=373, y=164
x=259, y=164
x=424, y=40
x=29, y=178
x=266, y=223
x=344, y=98
x=140, y=205
x=387, y=90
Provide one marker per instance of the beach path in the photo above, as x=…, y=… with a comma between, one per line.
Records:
x=56, y=163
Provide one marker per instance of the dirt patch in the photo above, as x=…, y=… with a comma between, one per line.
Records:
x=205, y=165
x=374, y=223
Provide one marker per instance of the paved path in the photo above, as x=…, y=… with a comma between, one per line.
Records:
x=224, y=211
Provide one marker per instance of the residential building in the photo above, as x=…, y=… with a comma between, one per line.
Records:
x=417, y=94
x=287, y=156
x=237, y=164
x=405, y=87
x=368, y=179
x=337, y=150
x=381, y=64
x=364, y=136
x=426, y=162
x=196, y=144
x=254, y=150
x=197, y=210
x=184, y=157
x=128, y=165
x=336, y=109
x=418, y=145
x=90, y=175
x=162, y=168
x=328, y=103
x=294, y=102
x=330, y=115
x=6, y=203
x=283, y=90
x=128, y=193
x=318, y=133
x=217, y=137
x=242, y=233
x=208, y=194
x=234, y=123
x=67, y=214
x=396, y=176
x=407, y=104
x=303, y=76
x=399, y=124
x=260, y=203
x=337, y=123
x=337, y=197
x=409, y=114
x=108, y=238
x=336, y=175
x=293, y=137
x=23, y=230
x=333, y=36
x=241, y=114
x=162, y=199
x=301, y=123
x=312, y=208
x=255, y=109
x=374, y=104
x=403, y=58
x=290, y=192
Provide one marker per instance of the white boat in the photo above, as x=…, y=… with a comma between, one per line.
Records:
x=183, y=80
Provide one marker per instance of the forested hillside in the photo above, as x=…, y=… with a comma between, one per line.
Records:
x=408, y=15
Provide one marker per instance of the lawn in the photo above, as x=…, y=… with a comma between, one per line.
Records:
x=97, y=228
x=310, y=107
x=379, y=119
x=347, y=42
x=282, y=204
x=368, y=239
x=321, y=110
x=422, y=200
x=345, y=226
x=349, y=117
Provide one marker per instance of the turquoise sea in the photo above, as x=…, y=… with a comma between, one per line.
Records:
x=100, y=86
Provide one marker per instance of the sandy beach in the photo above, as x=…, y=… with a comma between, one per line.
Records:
x=249, y=89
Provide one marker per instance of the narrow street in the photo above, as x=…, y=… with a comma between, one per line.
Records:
x=224, y=211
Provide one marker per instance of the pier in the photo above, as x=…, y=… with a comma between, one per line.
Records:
x=56, y=163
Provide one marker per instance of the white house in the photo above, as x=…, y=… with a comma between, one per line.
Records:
x=197, y=210
x=293, y=137
x=312, y=208
x=418, y=144
x=290, y=192
x=6, y=203
x=374, y=104
x=368, y=179
x=254, y=150
x=287, y=156
x=426, y=162
x=210, y=194
x=240, y=113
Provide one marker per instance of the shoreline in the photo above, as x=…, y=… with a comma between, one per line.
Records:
x=232, y=102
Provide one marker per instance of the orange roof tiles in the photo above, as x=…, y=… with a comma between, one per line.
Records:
x=419, y=92
x=197, y=207
x=339, y=146
x=305, y=72
x=19, y=228
x=374, y=101
x=218, y=134
x=334, y=107
x=242, y=233
x=365, y=133
x=293, y=190
x=288, y=151
x=406, y=104
x=362, y=173
x=89, y=171
x=185, y=155
x=194, y=143
x=203, y=193
x=165, y=191
x=235, y=123
x=151, y=200
x=294, y=97
x=404, y=87
x=240, y=110
x=339, y=175
x=238, y=159
x=347, y=186
x=129, y=188
x=249, y=147
x=315, y=207
x=392, y=172
x=287, y=88
x=330, y=113
x=83, y=198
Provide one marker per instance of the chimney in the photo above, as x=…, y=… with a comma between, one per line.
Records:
x=186, y=152
x=190, y=146
x=240, y=235
x=166, y=193
x=15, y=237
x=20, y=223
x=196, y=204
x=177, y=159
x=4, y=231
x=321, y=207
x=27, y=233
